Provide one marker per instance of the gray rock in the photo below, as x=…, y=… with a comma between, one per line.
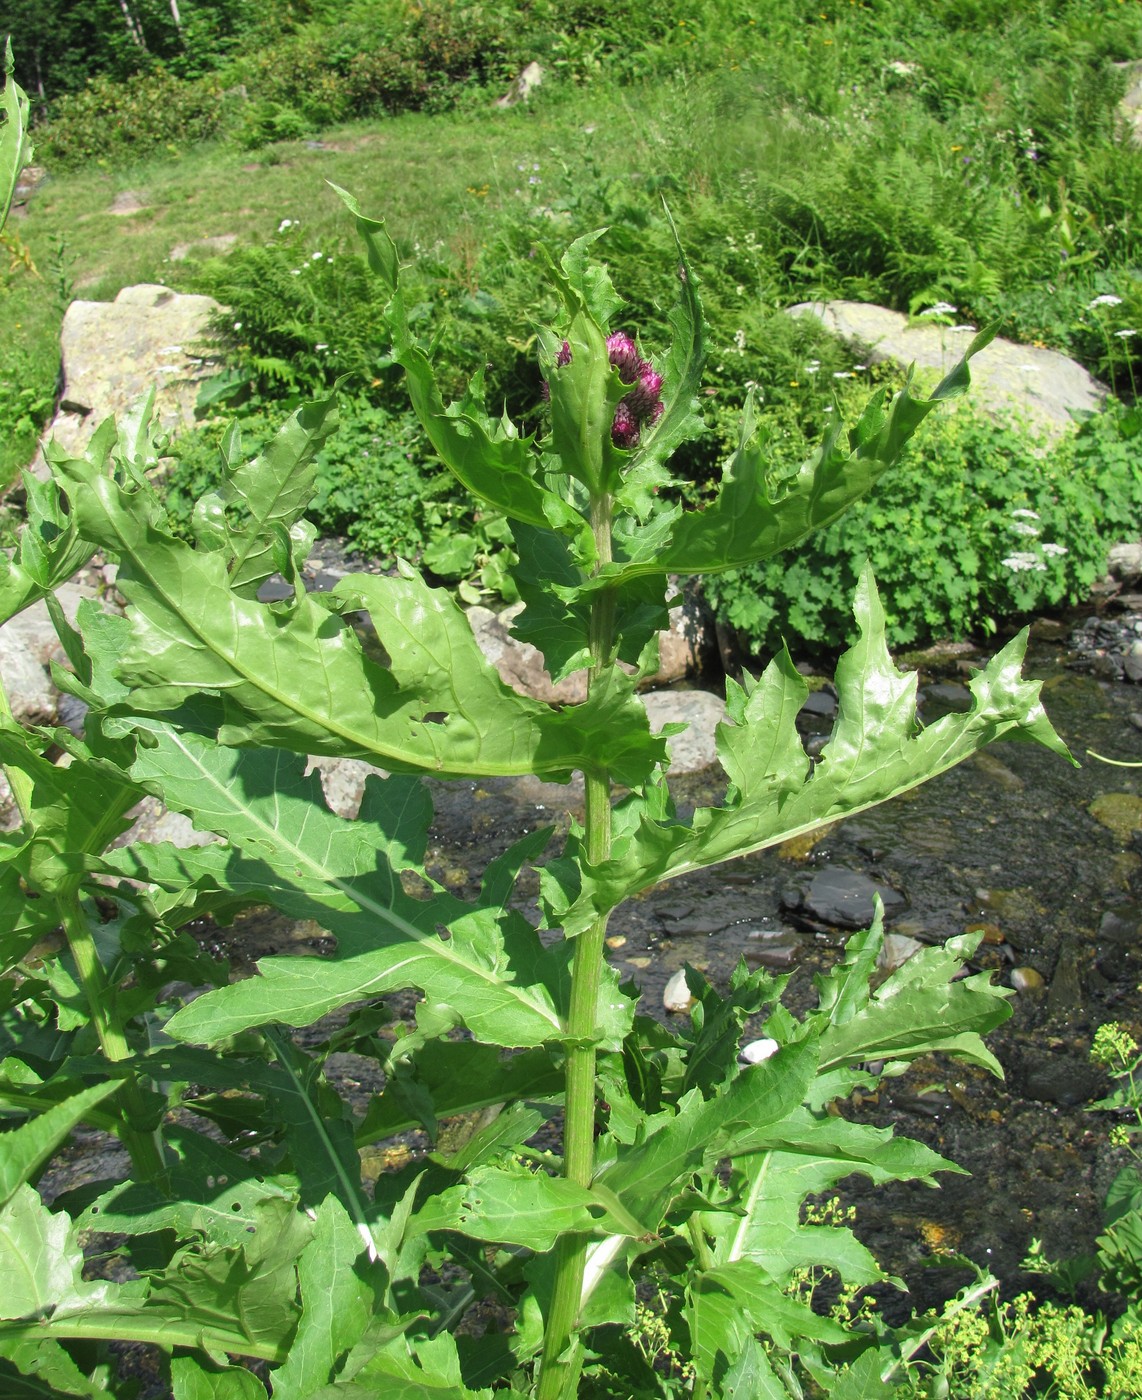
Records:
x=114, y=352
x=693, y=749
x=128, y=202
x=343, y=781
x=1041, y=387
x=895, y=951
x=1124, y=562
x=1130, y=108
x=840, y=898
x=523, y=87
x=28, y=642
x=154, y=822
x=943, y=697
x=520, y=665
x=1062, y=1080
x=1027, y=980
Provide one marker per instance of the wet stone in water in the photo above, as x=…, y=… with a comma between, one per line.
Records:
x=840, y=898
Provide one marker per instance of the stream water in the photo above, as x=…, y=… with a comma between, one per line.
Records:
x=1046, y=858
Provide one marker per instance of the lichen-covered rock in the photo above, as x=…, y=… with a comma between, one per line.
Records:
x=114, y=352
x=1040, y=387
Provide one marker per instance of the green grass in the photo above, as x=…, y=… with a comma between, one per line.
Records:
x=964, y=150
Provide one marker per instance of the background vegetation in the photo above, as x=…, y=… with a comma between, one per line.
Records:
x=967, y=152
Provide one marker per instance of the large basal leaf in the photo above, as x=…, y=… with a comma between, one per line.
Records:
x=192, y=1379
x=208, y=1191
x=489, y=970
x=336, y=1305
x=41, y=1263
x=240, y=1300
x=447, y=1078
x=877, y=749
x=15, y=148
x=31, y=1369
x=520, y=1207
x=295, y=675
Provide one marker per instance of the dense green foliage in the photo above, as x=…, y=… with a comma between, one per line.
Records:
x=978, y=525
x=969, y=153
x=246, y=1228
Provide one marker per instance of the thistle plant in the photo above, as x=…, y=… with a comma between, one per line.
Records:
x=492, y=1263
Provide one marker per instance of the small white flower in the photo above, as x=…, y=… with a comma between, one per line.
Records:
x=1017, y=563
x=1125, y=334
x=1055, y=549
x=1021, y=527
x=741, y=289
x=1024, y=514
x=941, y=308
x=739, y=341
x=321, y=347
x=964, y=327
x=328, y=260
x=316, y=257
x=1107, y=299
x=285, y=223
x=843, y=374
x=295, y=272
x=813, y=366
x=860, y=367
x=237, y=325
x=828, y=408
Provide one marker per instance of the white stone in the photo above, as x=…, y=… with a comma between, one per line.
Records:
x=1040, y=387
x=112, y=353
x=676, y=995
x=758, y=1051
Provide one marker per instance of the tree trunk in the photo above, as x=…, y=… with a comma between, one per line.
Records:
x=134, y=29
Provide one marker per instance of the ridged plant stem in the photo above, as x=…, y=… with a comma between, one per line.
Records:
x=559, y=1368
x=143, y=1146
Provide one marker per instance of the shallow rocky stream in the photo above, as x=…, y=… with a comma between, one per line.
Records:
x=1045, y=857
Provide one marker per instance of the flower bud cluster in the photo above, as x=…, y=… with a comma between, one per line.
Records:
x=643, y=404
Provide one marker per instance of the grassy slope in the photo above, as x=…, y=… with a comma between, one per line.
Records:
x=419, y=171
x=808, y=128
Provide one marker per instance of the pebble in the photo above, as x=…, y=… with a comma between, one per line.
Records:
x=1026, y=979
x=676, y=995
x=895, y=951
x=758, y=1051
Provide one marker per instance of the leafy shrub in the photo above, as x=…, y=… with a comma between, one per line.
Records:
x=976, y=525
x=120, y=121
x=376, y=485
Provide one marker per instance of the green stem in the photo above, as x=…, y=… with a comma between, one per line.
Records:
x=559, y=1371
x=112, y=1325
x=142, y=1144
x=146, y=1155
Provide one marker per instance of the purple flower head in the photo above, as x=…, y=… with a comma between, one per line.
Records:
x=564, y=355
x=646, y=393
x=624, y=430
x=624, y=356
